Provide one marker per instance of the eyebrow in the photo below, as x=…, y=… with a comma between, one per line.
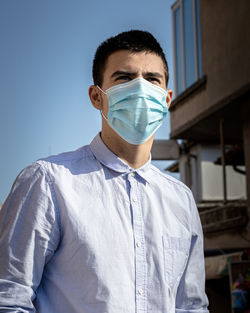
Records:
x=153, y=74
x=145, y=74
x=117, y=73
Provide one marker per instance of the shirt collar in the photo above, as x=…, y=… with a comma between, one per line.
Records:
x=112, y=161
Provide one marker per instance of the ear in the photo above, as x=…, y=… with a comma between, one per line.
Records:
x=95, y=97
x=169, y=97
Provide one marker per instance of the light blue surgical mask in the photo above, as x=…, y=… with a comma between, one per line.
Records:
x=136, y=109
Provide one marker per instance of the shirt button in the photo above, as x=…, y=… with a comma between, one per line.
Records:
x=134, y=199
x=138, y=244
x=132, y=174
x=140, y=291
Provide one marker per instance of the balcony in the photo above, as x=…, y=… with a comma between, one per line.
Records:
x=220, y=216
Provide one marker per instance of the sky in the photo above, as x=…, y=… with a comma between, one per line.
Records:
x=46, y=53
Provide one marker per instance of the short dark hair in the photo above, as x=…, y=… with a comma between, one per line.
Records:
x=133, y=40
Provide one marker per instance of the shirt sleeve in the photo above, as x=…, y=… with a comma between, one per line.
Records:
x=191, y=296
x=29, y=235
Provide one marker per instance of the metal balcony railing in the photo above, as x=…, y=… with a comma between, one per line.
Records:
x=223, y=216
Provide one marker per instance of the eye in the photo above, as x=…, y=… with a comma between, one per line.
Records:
x=153, y=80
x=123, y=77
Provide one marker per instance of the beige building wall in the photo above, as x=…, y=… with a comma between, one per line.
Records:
x=225, y=57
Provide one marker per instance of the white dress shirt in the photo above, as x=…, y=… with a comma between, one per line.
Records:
x=82, y=232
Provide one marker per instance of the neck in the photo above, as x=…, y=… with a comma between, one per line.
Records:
x=134, y=155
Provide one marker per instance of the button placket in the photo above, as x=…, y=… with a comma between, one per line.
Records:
x=140, y=254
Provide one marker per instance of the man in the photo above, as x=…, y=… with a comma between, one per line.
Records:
x=100, y=229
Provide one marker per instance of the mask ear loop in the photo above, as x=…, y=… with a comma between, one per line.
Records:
x=101, y=89
x=103, y=116
x=101, y=110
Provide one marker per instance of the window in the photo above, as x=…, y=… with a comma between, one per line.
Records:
x=187, y=43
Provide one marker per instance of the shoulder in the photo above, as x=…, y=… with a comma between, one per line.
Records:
x=170, y=180
x=72, y=161
x=66, y=157
x=44, y=168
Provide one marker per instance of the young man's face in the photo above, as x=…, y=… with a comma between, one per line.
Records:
x=123, y=66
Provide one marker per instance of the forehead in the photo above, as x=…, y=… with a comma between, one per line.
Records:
x=133, y=61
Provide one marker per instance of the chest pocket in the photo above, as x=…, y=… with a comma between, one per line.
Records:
x=176, y=250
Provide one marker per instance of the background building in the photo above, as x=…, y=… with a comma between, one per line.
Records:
x=211, y=114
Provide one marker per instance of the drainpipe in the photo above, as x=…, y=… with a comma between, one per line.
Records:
x=223, y=162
